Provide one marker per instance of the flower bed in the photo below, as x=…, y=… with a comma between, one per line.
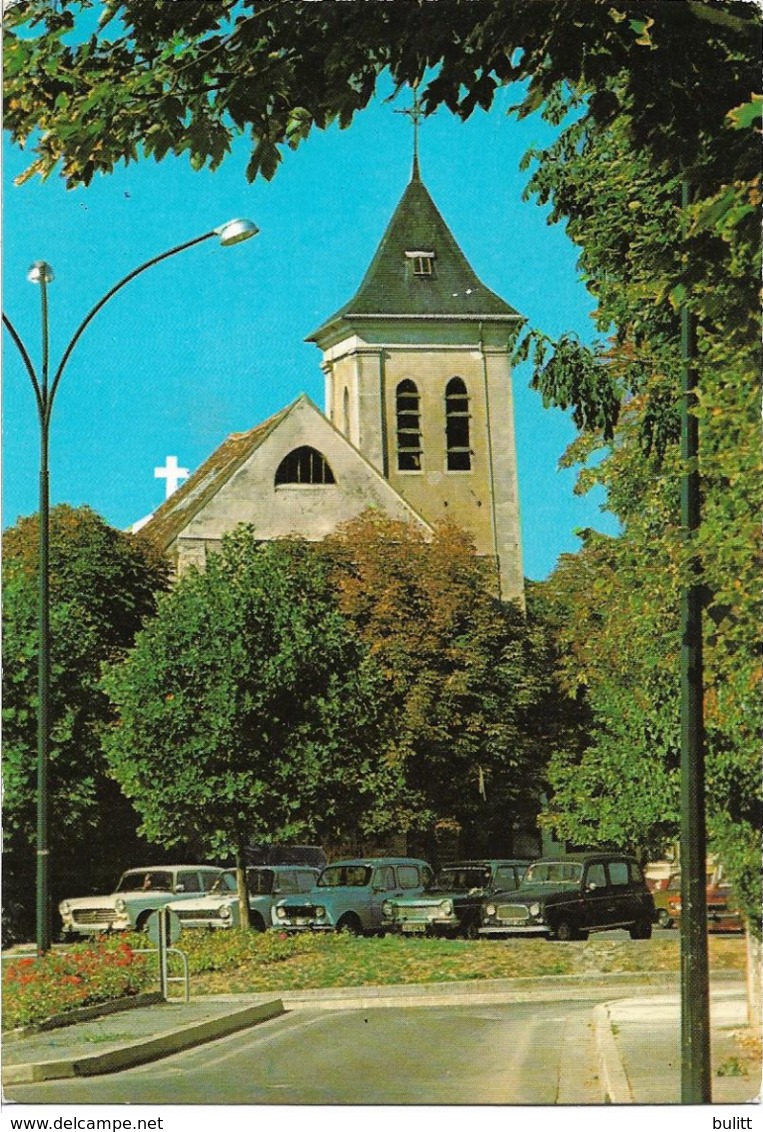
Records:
x=85, y=974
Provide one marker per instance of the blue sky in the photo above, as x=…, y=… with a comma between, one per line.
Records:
x=212, y=341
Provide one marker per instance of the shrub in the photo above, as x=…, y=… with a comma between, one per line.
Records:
x=35, y=989
x=228, y=950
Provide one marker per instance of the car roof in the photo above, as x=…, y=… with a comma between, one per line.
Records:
x=278, y=868
x=172, y=868
x=372, y=861
x=594, y=855
x=485, y=862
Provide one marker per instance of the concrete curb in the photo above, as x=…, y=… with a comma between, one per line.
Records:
x=474, y=991
x=83, y=1014
x=614, y=1080
x=150, y=1049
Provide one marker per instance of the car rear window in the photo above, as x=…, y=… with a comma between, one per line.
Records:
x=408, y=876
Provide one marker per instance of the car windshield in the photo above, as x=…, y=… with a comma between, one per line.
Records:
x=145, y=880
x=226, y=882
x=260, y=881
x=459, y=880
x=553, y=872
x=345, y=876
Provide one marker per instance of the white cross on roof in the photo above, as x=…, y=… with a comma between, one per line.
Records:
x=172, y=474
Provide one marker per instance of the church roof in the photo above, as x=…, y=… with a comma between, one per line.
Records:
x=390, y=286
x=177, y=511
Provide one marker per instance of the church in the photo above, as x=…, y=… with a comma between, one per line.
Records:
x=418, y=416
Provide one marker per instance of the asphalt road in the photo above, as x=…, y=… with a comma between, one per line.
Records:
x=522, y=1053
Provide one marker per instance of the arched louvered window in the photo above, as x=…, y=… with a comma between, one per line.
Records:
x=408, y=427
x=459, y=456
x=304, y=465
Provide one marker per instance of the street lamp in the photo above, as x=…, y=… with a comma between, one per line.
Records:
x=41, y=273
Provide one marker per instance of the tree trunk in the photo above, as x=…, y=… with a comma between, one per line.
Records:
x=243, y=895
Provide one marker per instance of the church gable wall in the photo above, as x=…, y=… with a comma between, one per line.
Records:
x=309, y=510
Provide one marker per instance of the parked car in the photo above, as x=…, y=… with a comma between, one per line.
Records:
x=662, y=894
x=138, y=893
x=722, y=912
x=349, y=895
x=219, y=909
x=567, y=897
x=450, y=904
x=658, y=873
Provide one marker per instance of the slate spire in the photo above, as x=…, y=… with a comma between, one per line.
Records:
x=393, y=285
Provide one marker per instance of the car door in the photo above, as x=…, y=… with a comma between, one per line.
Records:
x=597, y=899
x=624, y=899
x=383, y=886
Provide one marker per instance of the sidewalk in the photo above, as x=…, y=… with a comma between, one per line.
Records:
x=635, y=1057
x=132, y=1037
x=640, y=1049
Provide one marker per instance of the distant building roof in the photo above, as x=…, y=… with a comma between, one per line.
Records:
x=392, y=287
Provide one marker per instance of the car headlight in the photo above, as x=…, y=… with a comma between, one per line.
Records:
x=446, y=907
x=320, y=912
x=534, y=909
x=388, y=910
x=224, y=911
x=490, y=910
x=119, y=904
x=281, y=913
x=64, y=907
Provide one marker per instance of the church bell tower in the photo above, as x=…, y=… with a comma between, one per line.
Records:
x=418, y=378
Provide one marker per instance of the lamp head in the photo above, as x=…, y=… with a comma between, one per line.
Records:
x=235, y=231
x=40, y=272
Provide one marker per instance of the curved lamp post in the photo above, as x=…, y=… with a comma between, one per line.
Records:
x=233, y=232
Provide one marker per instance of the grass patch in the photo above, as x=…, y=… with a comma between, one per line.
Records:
x=238, y=962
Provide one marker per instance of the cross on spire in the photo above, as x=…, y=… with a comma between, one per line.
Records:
x=172, y=474
x=415, y=113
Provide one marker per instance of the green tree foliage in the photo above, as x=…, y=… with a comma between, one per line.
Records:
x=103, y=585
x=109, y=82
x=643, y=258
x=467, y=678
x=247, y=711
x=647, y=94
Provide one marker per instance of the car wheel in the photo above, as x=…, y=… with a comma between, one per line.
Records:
x=350, y=923
x=141, y=923
x=663, y=919
x=566, y=932
x=642, y=929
